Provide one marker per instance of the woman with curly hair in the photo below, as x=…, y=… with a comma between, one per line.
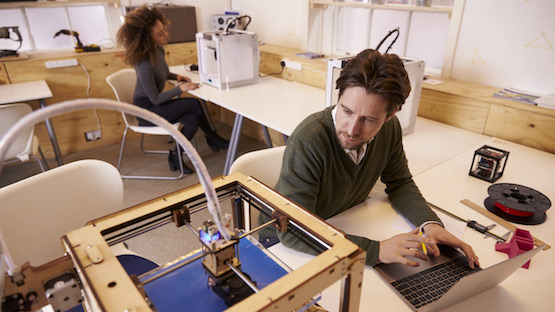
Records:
x=143, y=35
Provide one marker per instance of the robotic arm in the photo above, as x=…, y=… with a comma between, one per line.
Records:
x=79, y=47
x=5, y=34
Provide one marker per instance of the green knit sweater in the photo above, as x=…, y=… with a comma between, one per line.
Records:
x=318, y=175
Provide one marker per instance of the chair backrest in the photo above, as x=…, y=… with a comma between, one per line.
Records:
x=264, y=165
x=36, y=212
x=22, y=147
x=123, y=84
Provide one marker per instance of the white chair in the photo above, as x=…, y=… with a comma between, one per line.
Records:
x=123, y=84
x=37, y=211
x=263, y=165
x=26, y=146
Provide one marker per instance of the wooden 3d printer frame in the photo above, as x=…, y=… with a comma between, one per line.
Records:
x=107, y=286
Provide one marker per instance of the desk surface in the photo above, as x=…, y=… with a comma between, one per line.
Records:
x=442, y=176
x=273, y=102
x=24, y=91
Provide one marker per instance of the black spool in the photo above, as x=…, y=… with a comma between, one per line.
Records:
x=517, y=203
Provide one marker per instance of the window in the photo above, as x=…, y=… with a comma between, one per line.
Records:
x=340, y=28
x=38, y=26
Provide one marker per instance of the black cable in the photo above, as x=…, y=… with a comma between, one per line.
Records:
x=234, y=22
x=387, y=36
x=278, y=73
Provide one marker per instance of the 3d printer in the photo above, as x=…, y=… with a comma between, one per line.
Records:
x=231, y=271
x=228, y=59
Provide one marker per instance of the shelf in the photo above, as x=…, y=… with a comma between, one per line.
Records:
x=315, y=4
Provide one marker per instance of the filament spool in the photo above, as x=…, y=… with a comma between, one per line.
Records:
x=517, y=203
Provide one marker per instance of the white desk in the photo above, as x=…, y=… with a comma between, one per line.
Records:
x=29, y=91
x=272, y=102
x=442, y=176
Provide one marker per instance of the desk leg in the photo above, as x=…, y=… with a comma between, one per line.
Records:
x=233, y=142
x=267, y=137
x=52, y=136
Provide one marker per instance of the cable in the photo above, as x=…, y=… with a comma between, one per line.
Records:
x=234, y=20
x=88, y=95
x=282, y=63
x=110, y=46
x=387, y=36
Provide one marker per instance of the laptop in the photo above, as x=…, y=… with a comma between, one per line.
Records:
x=445, y=280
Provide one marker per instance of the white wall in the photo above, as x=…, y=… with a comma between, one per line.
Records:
x=503, y=43
x=508, y=43
x=279, y=22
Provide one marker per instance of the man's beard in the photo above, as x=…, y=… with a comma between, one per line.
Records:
x=356, y=145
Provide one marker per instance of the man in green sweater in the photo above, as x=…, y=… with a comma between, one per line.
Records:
x=334, y=158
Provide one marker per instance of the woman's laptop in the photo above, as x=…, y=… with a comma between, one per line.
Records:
x=445, y=280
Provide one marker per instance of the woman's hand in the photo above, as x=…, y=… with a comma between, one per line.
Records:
x=397, y=248
x=183, y=78
x=186, y=86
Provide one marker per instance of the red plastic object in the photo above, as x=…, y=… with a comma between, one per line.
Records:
x=521, y=241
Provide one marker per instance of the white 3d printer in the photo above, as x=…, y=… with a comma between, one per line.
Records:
x=228, y=59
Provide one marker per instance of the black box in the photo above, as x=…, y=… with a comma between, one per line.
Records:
x=183, y=21
x=488, y=163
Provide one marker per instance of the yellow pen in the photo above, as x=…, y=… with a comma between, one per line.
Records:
x=423, y=245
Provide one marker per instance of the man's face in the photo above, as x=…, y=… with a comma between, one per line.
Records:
x=359, y=117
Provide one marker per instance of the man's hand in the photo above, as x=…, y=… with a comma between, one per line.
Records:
x=397, y=248
x=441, y=236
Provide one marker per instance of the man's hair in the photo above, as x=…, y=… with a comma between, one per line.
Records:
x=136, y=34
x=379, y=74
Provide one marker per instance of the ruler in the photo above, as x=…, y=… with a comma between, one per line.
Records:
x=504, y=223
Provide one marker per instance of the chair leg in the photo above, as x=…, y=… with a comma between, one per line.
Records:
x=145, y=177
x=150, y=151
x=121, y=148
x=39, y=162
x=43, y=160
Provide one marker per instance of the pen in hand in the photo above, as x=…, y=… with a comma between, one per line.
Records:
x=423, y=245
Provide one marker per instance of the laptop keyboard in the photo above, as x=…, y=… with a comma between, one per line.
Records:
x=429, y=285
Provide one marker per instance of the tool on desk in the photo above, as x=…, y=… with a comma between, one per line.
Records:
x=509, y=226
x=79, y=47
x=517, y=203
x=472, y=224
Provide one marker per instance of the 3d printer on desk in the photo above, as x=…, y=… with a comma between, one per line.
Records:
x=228, y=59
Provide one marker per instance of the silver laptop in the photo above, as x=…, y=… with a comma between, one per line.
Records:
x=445, y=280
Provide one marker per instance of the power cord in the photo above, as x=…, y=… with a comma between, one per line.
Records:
x=99, y=128
x=387, y=36
x=282, y=64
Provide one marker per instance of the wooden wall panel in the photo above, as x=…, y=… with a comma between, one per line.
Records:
x=3, y=74
x=461, y=112
x=313, y=71
x=521, y=126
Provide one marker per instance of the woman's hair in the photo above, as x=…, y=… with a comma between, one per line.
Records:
x=136, y=34
x=379, y=74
